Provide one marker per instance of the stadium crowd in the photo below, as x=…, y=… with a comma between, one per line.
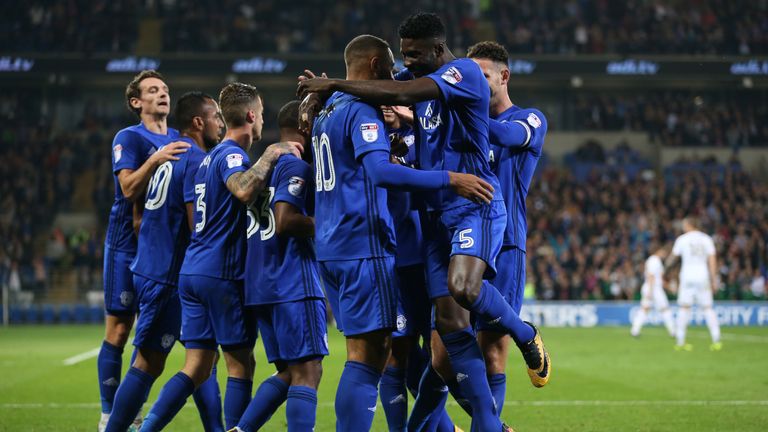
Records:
x=589, y=239
x=679, y=118
x=714, y=27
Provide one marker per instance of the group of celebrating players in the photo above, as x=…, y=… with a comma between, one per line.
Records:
x=412, y=227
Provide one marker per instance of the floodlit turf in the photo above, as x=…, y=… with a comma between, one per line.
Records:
x=603, y=380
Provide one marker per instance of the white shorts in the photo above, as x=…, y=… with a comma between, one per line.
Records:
x=657, y=298
x=696, y=291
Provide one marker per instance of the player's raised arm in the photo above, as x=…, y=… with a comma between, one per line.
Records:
x=247, y=185
x=379, y=92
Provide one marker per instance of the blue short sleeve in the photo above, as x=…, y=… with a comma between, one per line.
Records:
x=366, y=128
x=234, y=160
x=460, y=81
x=129, y=151
x=293, y=180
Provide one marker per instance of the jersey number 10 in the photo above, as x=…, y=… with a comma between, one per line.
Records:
x=325, y=176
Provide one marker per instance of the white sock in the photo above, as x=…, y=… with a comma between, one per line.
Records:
x=713, y=324
x=683, y=315
x=666, y=314
x=637, y=324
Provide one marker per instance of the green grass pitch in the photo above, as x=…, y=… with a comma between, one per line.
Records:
x=603, y=380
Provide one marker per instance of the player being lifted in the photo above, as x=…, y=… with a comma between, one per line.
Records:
x=134, y=160
x=354, y=235
x=698, y=280
x=163, y=239
x=451, y=99
x=282, y=286
x=211, y=277
x=652, y=292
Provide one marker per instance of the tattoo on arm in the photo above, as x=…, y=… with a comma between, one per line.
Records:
x=246, y=186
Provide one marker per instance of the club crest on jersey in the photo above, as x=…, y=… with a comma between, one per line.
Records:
x=167, y=340
x=126, y=298
x=296, y=186
x=234, y=160
x=401, y=321
x=118, y=150
x=534, y=120
x=370, y=131
x=452, y=76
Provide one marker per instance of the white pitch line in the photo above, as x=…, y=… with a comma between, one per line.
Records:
x=81, y=357
x=552, y=403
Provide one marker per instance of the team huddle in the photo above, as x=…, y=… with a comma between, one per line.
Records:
x=398, y=200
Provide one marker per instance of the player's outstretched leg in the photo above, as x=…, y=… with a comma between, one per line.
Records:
x=466, y=286
x=197, y=368
x=208, y=401
x=683, y=316
x=466, y=360
x=714, y=328
x=109, y=363
x=637, y=323
x=357, y=392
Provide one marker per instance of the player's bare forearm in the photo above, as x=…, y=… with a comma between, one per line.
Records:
x=289, y=221
x=712, y=264
x=376, y=92
x=246, y=186
x=134, y=183
x=138, y=213
x=669, y=262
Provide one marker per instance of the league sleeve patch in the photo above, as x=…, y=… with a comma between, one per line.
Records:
x=234, y=160
x=118, y=151
x=296, y=186
x=370, y=132
x=452, y=76
x=534, y=120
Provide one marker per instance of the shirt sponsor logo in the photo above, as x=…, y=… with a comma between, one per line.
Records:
x=370, y=132
x=234, y=160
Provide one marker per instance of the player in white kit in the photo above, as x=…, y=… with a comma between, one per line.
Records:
x=698, y=280
x=652, y=293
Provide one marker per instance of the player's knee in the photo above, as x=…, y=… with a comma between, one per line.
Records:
x=118, y=332
x=150, y=362
x=371, y=348
x=307, y=374
x=239, y=364
x=464, y=288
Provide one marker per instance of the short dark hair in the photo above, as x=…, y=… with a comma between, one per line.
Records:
x=364, y=45
x=489, y=50
x=422, y=25
x=288, y=117
x=132, y=90
x=189, y=106
x=233, y=100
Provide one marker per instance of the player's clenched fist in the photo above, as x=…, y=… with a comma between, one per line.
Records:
x=471, y=187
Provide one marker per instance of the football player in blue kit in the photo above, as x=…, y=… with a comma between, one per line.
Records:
x=517, y=137
x=450, y=97
x=282, y=288
x=134, y=159
x=211, y=276
x=163, y=239
x=355, y=235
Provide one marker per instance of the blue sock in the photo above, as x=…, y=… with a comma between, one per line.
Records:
x=429, y=402
x=356, y=397
x=268, y=398
x=130, y=397
x=394, y=398
x=301, y=409
x=109, y=365
x=458, y=396
x=498, y=385
x=491, y=306
x=172, y=398
x=418, y=359
x=444, y=423
x=236, y=400
x=208, y=401
x=468, y=364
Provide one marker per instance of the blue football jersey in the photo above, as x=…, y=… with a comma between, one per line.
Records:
x=452, y=132
x=218, y=245
x=164, y=232
x=404, y=215
x=352, y=219
x=281, y=269
x=131, y=147
x=515, y=169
